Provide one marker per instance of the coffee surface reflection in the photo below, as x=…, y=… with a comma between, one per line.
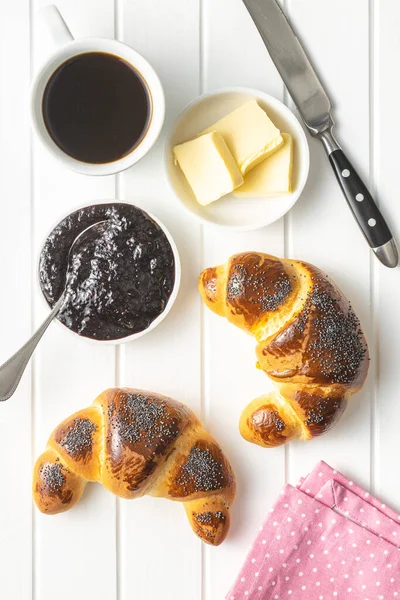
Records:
x=96, y=107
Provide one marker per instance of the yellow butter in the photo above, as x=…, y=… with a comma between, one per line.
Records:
x=273, y=176
x=209, y=167
x=250, y=135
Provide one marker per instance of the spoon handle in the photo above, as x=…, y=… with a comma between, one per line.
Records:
x=12, y=370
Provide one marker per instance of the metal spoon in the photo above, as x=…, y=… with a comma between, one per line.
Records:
x=12, y=370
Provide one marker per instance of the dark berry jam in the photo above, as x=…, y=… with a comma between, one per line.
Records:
x=121, y=274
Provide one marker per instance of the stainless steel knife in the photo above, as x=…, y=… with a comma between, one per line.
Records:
x=315, y=107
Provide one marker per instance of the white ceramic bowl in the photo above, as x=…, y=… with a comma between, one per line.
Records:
x=171, y=300
x=242, y=214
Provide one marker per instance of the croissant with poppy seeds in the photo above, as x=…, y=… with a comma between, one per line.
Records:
x=137, y=443
x=309, y=342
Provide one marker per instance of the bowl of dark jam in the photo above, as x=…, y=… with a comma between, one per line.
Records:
x=123, y=277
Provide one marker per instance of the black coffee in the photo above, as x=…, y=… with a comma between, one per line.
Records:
x=96, y=107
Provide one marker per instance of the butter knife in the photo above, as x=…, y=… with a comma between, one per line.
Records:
x=315, y=108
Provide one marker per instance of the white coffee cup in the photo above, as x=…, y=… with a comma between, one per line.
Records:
x=66, y=48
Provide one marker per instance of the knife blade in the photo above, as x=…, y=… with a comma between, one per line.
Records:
x=314, y=106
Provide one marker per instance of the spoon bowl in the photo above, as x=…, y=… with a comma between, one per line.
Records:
x=12, y=370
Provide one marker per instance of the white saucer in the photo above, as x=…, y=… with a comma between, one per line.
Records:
x=236, y=213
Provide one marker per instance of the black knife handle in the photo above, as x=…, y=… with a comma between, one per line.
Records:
x=362, y=204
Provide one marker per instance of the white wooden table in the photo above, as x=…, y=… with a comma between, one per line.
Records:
x=110, y=549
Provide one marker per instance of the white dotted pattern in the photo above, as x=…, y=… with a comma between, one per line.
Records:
x=331, y=558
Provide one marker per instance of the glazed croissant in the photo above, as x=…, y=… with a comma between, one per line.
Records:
x=137, y=443
x=309, y=342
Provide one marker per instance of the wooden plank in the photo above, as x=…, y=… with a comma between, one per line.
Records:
x=323, y=231
x=386, y=52
x=70, y=372
x=159, y=554
x=234, y=55
x=15, y=301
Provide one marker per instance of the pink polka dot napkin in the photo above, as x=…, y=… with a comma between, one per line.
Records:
x=326, y=539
